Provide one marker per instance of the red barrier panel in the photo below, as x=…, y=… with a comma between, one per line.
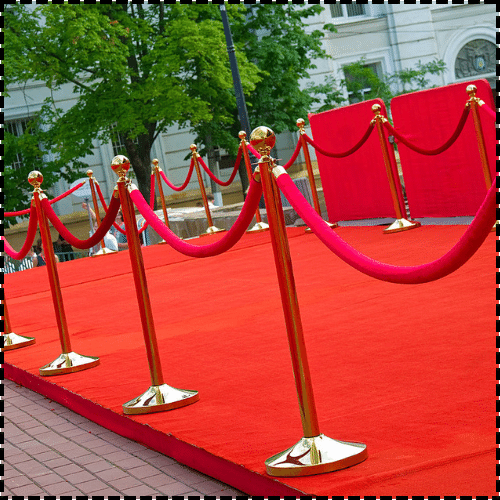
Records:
x=355, y=187
x=452, y=183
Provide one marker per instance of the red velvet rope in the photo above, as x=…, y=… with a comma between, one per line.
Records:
x=229, y=239
x=30, y=238
x=345, y=153
x=186, y=182
x=444, y=147
x=55, y=200
x=463, y=250
x=151, y=204
x=486, y=109
x=214, y=178
x=96, y=237
x=253, y=151
x=290, y=162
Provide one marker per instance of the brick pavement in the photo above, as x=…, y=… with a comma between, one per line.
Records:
x=50, y=450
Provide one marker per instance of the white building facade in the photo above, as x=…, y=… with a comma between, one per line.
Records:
x=389, y=37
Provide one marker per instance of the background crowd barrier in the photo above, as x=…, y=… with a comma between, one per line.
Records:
x=450, y=184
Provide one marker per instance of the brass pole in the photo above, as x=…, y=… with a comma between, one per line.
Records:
x=141, y=288
x=211, y=228
x=10, y=339
x=156, y=172
x=159, y=396
x=94, y=201
x=288, y=295
x=50, y=260
x=310, y=173
x=314, y=453
x=474, y=102
x=6, y=319
x=259, y=226
x=195, y=155
x=379, y=119
x=244, y=149
x=401, y=224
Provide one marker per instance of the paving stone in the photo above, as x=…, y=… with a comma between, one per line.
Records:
x=93, y=486
x=141, y=490
x=81, y=477
x=29, y=489
x=176, y=488
x=160, y=480
x=51, y=478
x=124, y=483
x=144, y=471
x=99, y=466
x=110, y=474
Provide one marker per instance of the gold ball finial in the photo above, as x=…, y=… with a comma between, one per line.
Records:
x=120, y=165
x=89, y=173
x=155, y=162
x=242, y=134
x=301, y=122
x=263, y=140
x=377, y=108
x=193, y=147
x=35, y=178
x=471, y=90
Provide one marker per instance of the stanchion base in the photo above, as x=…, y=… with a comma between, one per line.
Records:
x=332, y=225
x=401, y=225
x=260, y=226
x=103, y=251
x=70, y=362
x=212, y=230
x=160, y=398
x=315, y=455
x=14, y=341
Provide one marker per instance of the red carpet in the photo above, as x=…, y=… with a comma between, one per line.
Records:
x=408, y=370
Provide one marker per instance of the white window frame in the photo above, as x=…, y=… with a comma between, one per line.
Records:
x=349, y=19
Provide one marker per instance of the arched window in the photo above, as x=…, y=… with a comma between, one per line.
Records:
x=476, y=59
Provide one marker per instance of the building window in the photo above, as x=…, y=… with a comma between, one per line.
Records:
x=18, y=128
x=347, y=10
x=361, y=80
x=118, y=143
x=476, y=59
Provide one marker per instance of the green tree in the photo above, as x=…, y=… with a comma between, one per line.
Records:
x=136, y=71
x=362, y=83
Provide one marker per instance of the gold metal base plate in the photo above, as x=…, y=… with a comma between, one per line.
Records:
x=103, y=251
x=401, y=225
x=212, y=230
x=70, y=362
x=260, y=226
x=332, y=225
x=160, y=398
x=315, y=455
x=14, y=341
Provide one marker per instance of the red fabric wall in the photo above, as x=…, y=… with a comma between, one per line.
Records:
x=355, y=187
x=451, y=183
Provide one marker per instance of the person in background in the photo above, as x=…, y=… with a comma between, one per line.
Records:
x=62, y=247
x=110, y=238
x=38, y=256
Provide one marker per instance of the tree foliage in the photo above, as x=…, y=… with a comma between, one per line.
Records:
x=362, y=83
x=137, y=70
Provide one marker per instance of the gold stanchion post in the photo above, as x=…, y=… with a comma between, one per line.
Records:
x=401, y=224
x=156, y=173
x=159, y=396
x=259, y=225
x=92, y=181
x=314, y=453
x=211, y=228
x=10, y=339
x=310, y=173
x=68, y=361
x=474, y=102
